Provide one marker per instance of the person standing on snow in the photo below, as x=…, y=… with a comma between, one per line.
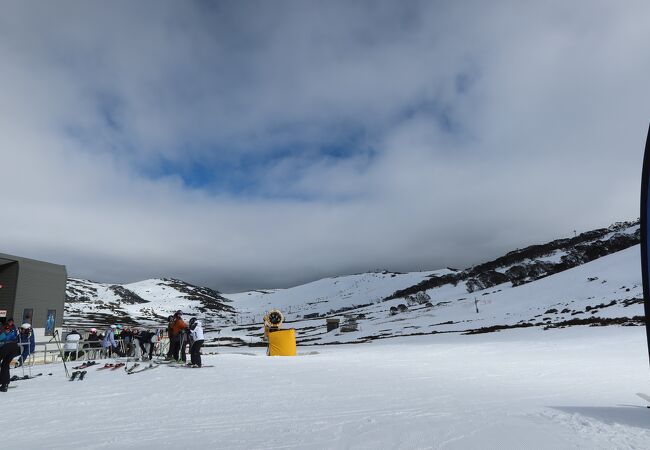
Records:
x=94, y=342
x=146, y=338
x=10, y=325
x=170, y=332
x=71, y=348
x=27, y=342
x=196, y=339
x=94, y=339
x=127, y=338
x=109, y=342
x=9, y=349
x=178, y=327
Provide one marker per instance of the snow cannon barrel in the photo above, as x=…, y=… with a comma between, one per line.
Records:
x=272, y=321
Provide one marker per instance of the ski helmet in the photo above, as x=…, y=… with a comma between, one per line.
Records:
x=93, y=330
x=26, y=326
x=192, y=321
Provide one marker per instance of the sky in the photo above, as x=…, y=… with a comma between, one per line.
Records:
x=256, y=144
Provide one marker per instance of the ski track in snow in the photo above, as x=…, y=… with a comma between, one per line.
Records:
x=570, y=388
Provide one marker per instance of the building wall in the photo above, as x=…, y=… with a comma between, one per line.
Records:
x=40, y=287
x=9, y=281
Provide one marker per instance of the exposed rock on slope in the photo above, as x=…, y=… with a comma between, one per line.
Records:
x=537, y=261
x=148, y=303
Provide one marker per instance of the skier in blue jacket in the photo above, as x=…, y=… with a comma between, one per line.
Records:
x=8, y=350
x=109, y=342
x=27, y=342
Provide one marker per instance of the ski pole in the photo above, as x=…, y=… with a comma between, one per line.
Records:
x=58, y=344
x=20, y=357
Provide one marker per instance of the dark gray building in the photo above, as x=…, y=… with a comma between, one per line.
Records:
x=32, y=291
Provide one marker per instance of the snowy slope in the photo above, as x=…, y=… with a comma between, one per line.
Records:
x=606, y=288
x=146, y=303
x=525, y=389
x=327, y=295
x=593, y=278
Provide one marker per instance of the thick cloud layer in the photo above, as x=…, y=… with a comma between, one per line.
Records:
x=259, y=144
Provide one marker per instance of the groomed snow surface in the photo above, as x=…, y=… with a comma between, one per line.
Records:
x=526, y=388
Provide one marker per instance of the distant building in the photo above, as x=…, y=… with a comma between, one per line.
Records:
x=32, y=291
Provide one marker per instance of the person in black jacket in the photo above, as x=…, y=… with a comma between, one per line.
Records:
x=146, y=338
x=9, y=349
x=94, y=339
x=127, y=338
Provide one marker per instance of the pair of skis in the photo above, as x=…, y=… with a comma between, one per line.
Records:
x=78, y=375
x=189, y=366
x=25, y=377
x=85, y=365
x=135, y=369
x=111, y=366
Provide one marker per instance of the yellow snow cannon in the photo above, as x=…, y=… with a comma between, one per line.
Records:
x=281, y=342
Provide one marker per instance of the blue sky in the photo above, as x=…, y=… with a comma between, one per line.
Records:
x=262, y=144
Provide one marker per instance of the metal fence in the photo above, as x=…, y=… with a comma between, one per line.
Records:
x=52, y=351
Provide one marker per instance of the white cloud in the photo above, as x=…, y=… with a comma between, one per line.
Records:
x=475, y=128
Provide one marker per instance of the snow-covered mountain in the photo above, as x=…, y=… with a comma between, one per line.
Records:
x=593, y=279
x=145, y=303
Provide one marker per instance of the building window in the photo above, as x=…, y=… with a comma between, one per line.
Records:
x=28, y=313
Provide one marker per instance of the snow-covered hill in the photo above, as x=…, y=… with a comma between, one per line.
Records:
x=145, y=303
x=591, y=279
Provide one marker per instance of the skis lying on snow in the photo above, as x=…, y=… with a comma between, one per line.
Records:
x=150, y=366
x=26, y=377
x=171, y=362
x=117, y=366
x=644, y=397
x=85, y=365
x=107, y=366
x=189, y=366
x=132, y=368
x=78, y=373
